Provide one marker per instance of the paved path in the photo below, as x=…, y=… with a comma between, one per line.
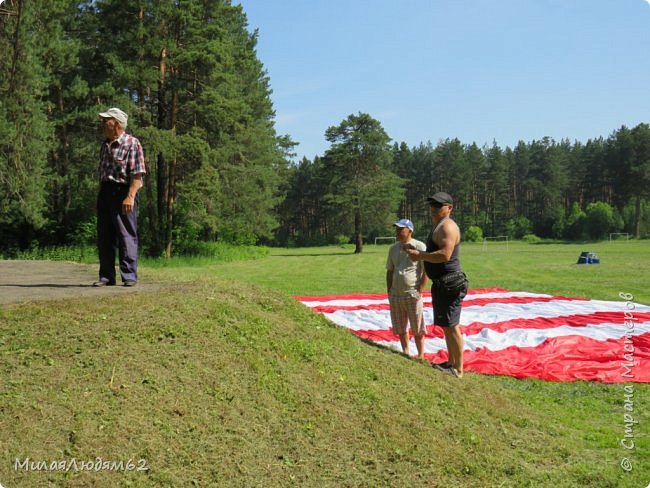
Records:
x=26, y=281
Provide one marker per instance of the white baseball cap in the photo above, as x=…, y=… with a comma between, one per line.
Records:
x=117, y=114
x=404, y=223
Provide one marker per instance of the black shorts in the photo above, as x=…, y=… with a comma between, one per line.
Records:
x=447, y=304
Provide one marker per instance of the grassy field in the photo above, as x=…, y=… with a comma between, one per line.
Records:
x=221, y=379
x=543, y=268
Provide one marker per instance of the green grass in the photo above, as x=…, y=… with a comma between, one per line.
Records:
x=221, y=379
x=543, y=268
x=197, y=254
x=81, y=254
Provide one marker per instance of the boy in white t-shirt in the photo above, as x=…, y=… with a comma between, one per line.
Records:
x=405, y=281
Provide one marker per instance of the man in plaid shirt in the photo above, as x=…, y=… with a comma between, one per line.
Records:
x=121, y=168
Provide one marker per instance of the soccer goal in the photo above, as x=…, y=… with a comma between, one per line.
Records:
x=496, y=242
x=614, y=236
x=379, y=239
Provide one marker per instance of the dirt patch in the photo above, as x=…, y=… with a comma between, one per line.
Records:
x=26, y=281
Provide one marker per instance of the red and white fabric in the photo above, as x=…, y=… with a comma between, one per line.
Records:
x=520, y=334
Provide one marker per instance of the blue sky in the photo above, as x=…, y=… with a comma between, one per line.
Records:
x=478, y=70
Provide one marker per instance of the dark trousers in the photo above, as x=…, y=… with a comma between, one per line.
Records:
x=115, y=229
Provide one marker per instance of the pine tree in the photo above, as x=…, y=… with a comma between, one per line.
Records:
x=637, y=173
x=25, y=132
x=204, y=116
x=361, y=186
x=72, y=156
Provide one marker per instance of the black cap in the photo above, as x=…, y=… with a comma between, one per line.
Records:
x=441, y=197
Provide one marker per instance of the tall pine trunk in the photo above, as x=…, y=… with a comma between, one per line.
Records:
x=358, y=238
x=171, y=184
x=637, y=217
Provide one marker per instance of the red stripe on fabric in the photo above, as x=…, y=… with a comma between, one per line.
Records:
x=466, y=303
x=566, y=358
x=578, y=320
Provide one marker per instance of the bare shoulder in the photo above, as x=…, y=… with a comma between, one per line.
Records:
x=451, y=231
x=450, y=226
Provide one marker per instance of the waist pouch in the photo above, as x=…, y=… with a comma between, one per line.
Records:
x=451, y=283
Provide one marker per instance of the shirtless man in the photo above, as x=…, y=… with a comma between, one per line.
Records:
x=449, y=283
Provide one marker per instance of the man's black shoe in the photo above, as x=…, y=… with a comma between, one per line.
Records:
x=450, y=370
x=103, y=283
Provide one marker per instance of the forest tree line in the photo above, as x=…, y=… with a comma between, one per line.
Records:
x=549, y=189
x=199, y=99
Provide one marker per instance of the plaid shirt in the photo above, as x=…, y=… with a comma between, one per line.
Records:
x=120, y=159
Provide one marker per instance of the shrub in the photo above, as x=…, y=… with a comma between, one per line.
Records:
x=342, y=240
x=602, y=218
x=473, y=234
x=559, y=225
x=86, y=232
x=574, y=226
x=531, y=238
x=519, y=227
x=630, y=218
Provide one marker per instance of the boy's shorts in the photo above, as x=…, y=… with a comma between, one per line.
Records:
x=407, y=309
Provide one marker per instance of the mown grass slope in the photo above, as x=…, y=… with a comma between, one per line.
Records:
x=221, y=379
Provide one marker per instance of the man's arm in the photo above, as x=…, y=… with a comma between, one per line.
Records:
x=423, y=282
x=389, y=280
x=134, y=186
x=448, y=239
